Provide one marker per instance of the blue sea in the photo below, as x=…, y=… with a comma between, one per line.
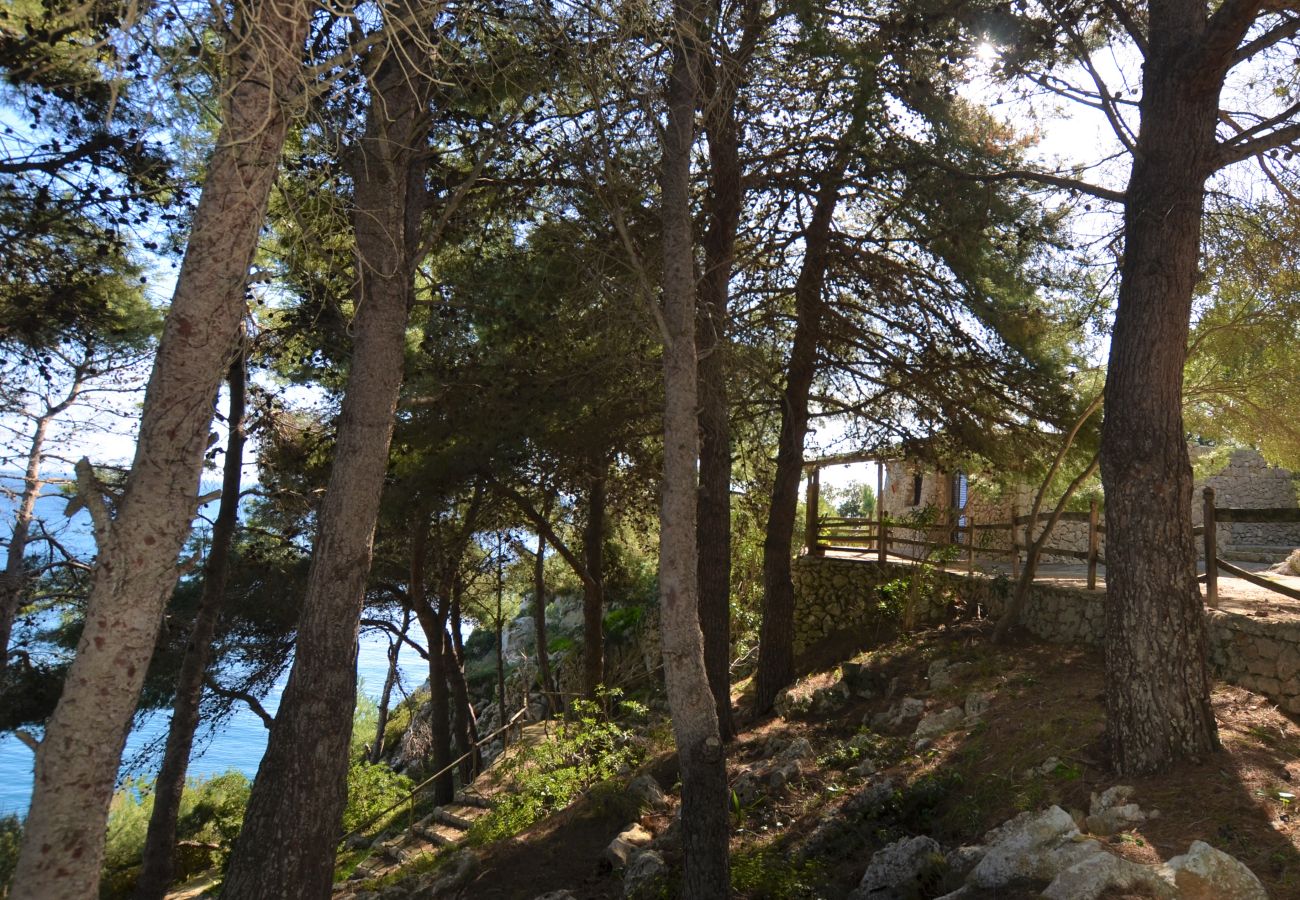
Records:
x=237, y=745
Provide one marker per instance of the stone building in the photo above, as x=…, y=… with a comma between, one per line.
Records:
x=913, y=492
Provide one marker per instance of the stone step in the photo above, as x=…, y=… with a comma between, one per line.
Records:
x=465, y=798
x=433, y=836
x=456, y=820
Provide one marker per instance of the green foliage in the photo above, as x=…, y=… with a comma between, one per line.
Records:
x=622, y=622
x=590, y=748
x=481, y=643
x=365, y=720
x=211, y=813
x=372, y=789
x=11, y=835
x=768, y=873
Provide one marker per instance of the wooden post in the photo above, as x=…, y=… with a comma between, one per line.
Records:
x=882, y=530
x=814, y=499
x=1093, y=544
x=970, y=545
x=1015, y=546
x=1211, y=551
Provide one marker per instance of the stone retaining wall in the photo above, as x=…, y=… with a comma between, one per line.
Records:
x=831, y=595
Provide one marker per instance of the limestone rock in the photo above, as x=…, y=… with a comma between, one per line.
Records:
x=1032, y=845
x=903, y=711
x=796, y=700
x=645, y=789
x=1047, y=767
x=858, y=680
x=961, y=860
x=1288, y=566
x=1204, y=873
x=556, y=895
x=746, y=789
x=1110, y=812
x=627, y=842
x=1102, y=872
x=450, y=878
x=942, y=673
x=896, y=870
x=643, y=870
x=939, y=723
x=798, y=750
x=977, y=704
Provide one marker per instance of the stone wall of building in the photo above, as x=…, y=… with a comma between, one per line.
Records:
x=1249, y=482
x=1261, y=655
x=1246, y=482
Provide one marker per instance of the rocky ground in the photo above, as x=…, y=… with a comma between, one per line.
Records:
x=935, y=766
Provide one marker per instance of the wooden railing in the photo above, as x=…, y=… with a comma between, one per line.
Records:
x=961, y=539
x=1213, y=516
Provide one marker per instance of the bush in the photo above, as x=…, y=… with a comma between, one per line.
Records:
x=372, y=789
x=590, y=748
x=211, y=813
x=11, y=835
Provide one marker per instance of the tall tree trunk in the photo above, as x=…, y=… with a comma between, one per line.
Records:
x=286, y=847
x=464, y=728
x=440, y=724
x=776, y=631
x=713, y=507
x=156, y=871
x=390, y=679
x=539, y=625
x=1157, y=680
x=694, y=712
x=593, y=589
x=433, y=619
x=500, y=623
x=76, y=765
x=13, y=581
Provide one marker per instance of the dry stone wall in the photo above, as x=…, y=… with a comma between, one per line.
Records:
x=1259, y=654
x=1249, y=482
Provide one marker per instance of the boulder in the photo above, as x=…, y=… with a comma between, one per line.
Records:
x=1032, y=845
x=798, y=750
x=903, y=711
x=647, y=791
x=896, y=871
x=858, y=680
x=1092, y=877
x=746, y=789
x=627, y=842
x=449, y=879
x=796, y=700
x=1110, y=812
x=977, y=704
x=643, y=871
x=961, y=860
x=1288, y=566
x=1204, y=873
x=939, y=723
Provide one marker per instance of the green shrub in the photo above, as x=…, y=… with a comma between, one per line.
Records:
x=590, y=748
x=372, y=789
x=768, y=873
x=11, y=835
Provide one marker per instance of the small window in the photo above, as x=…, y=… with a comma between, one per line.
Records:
x=917, y=481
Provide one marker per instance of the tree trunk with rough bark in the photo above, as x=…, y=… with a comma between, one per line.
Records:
x=76, y=766
x=464, y=728
x=776, y=631
x=286, y=847
x=1157, y=679
x=156, y=869
x=593, y=589
x=694, y=711
x=539, y=624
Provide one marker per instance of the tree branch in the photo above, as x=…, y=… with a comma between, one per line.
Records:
x=252, y=702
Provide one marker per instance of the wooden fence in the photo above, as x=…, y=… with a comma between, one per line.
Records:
x=958, y=541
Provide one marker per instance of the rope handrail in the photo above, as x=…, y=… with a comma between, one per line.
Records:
x=432, y=778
